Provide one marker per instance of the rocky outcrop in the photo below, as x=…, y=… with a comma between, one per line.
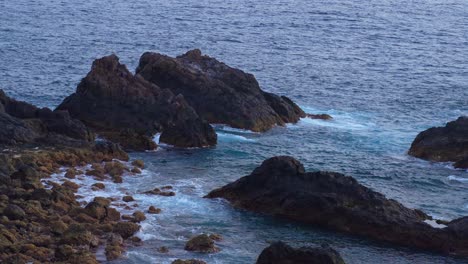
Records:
x=281, y=253
x=449, y=143
x=281, y=187
x=22, y=123
x=219, y=93
x=129, y=110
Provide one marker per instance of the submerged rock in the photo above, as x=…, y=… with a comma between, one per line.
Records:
x=281, y=187
x=281, y=253
x=219, y=93
x=449, y=143
x=130, y=110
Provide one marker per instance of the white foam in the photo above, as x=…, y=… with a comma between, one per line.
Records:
x=341, y=120
x=156, y=138
x=459, y=179
x=226, y=137
x=434, y=224
x=227, y=128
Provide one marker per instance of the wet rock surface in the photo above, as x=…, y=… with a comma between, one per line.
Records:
x=281, y=253
x=281, y=187
x=448, y=143
x=219, y=93
x=127, y=109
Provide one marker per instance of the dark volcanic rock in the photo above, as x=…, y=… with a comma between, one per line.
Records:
x=219, y=93
x=24, y=123
x=449, y=143
x=281, y=187
x=130, y=110
x=280, y=253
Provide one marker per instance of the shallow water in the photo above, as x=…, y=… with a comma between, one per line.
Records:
x=384, y=70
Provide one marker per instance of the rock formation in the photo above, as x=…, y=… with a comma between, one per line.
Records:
x=281, y=187
x=23, y=123
x=449, y=143
x=129, y=110
x=219, y=93
x=281, y=253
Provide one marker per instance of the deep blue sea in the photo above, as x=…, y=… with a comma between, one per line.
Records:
x=385, y=70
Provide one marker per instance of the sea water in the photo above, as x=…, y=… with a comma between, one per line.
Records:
x=385, y=70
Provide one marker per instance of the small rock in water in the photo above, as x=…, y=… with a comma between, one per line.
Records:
x=71, y=185
x=320, y=116
x=157, y=191
x=154, y=210
x=128, y=198
x=139, y=164
x=138, y=216
x=201, y=243
x=126, y=229
x=98, y=186
x=114, y=168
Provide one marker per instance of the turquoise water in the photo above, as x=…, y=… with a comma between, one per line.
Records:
x=384, y=70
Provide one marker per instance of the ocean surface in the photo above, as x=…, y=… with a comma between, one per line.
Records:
x=385, y=70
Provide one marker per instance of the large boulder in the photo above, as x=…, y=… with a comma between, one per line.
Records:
x=219, y=93
x=25, y=123
x=281, y=253
x=127, y=108
x=449, y=143
x=281, y=187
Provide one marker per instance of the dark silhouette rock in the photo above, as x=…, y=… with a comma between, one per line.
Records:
x=219, y=93
x=281, y=187
x=449, y=143
x=130, y=110
x=281, y=253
